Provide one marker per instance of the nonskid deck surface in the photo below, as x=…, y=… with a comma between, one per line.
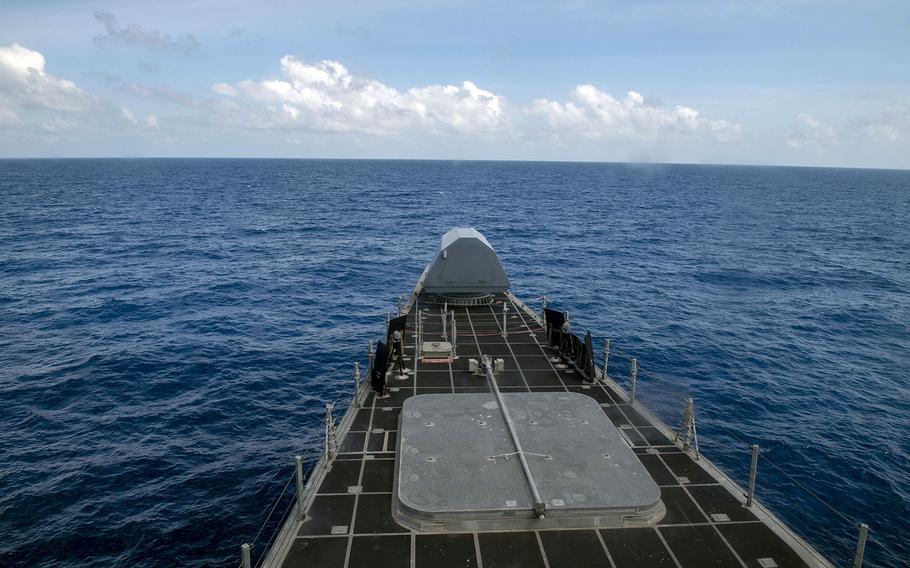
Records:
x=349, y=523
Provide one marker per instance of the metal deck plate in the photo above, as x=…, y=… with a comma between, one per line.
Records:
x=456, y=462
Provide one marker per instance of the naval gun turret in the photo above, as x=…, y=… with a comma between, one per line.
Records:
x=465, y=266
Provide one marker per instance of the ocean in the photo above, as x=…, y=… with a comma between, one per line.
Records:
x=171, y=329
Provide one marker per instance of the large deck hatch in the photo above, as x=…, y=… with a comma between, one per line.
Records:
x=457, y=468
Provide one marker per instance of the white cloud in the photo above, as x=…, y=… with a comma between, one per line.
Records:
x=811, y=132
x=128, y=115
x=224, y=89
x=889, y=126
x=38, y=107
x=137, y=36
x=7, y=116
x=150, y=121
x=597, y=114
x=326, y=97
x=326, y=110
x=25, y=83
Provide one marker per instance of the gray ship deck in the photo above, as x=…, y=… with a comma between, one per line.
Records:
x=349, y=520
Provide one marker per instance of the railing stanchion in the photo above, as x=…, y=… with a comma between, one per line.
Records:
x=860, y=545
x=245, y=555
x=505, y=310
x=753, y=470
x=356, y=383
x=606, y=357
x=298, y=467
x=418, y=338
x=633, y=378
x=331, y=438
x=454, y=337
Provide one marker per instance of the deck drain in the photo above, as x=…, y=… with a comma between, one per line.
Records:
x=720, y=517
x=767, y=563
x=343, y=529
x=683, y=479
x=355, y=488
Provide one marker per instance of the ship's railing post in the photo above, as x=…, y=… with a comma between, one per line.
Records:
x=633, y=377
x=245, y=561
x=454, y=336
x=860, y=545
x=445, y=321
x=370, y=355
x=418, y=336
x=505, y=311
x=298, y=467
x=399, y=306
x=388, y=317
x=753, y=471
x=606, y=357
x=356, y=383
x=543, y=311
x=331, y=439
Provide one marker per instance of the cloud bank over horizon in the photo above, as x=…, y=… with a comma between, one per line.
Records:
x=325, y=98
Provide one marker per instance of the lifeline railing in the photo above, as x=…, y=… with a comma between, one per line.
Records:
x=687, y=433
x=301, y=475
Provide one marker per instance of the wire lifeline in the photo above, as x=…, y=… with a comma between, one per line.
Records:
x=284, y=516
x=762, y=454
x=809, y=491
x=812, y=551
x=274, y=506
x=340, y=393
x=277, y=530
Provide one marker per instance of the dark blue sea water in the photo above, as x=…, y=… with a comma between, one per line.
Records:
x=170, y=329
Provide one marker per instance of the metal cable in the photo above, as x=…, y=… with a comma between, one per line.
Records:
x=268, y=545
x=269, y=516
x=307, y=455
x=737, y=438
x=809, y=491
x=762, y=454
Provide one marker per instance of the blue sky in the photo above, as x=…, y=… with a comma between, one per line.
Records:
x=804, y=83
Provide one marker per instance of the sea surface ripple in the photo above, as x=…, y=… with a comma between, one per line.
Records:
x=171, y=329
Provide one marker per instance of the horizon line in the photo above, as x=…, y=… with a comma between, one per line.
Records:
x=480, y=160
